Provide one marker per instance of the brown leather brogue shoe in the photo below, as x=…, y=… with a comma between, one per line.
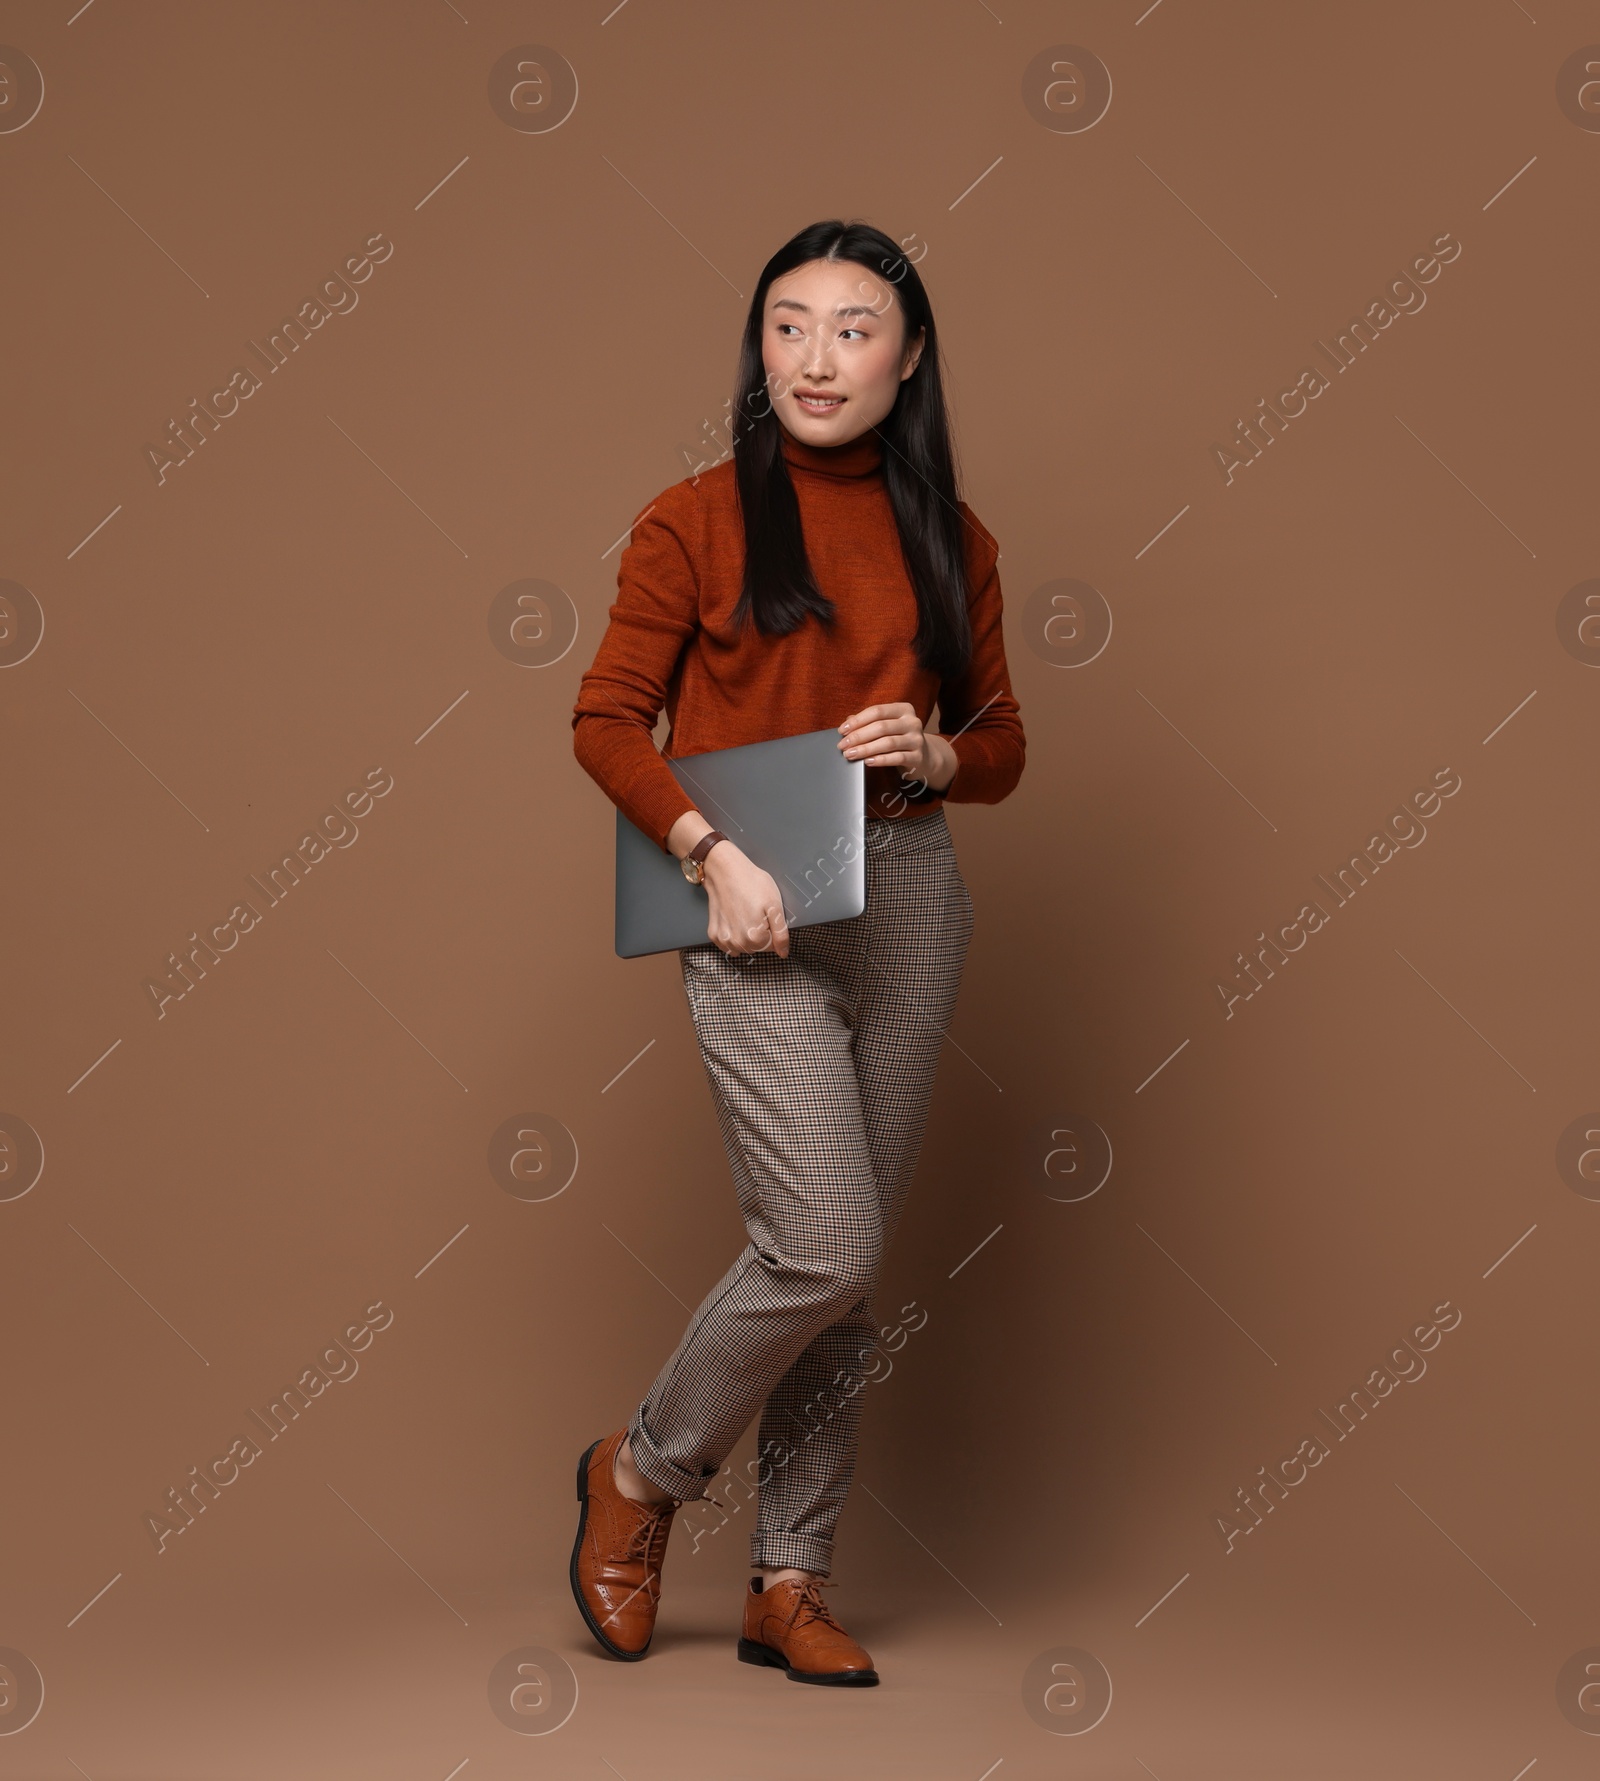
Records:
x=790, y=1628
x=616, y=1558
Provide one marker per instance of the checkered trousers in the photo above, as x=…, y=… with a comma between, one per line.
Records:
x=821, y=1068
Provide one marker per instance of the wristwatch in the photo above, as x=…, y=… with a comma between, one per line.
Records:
x=693, y=862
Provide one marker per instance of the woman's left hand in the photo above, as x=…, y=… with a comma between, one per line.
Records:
x=893, y=736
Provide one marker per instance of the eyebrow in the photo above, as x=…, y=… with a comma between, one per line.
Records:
x=852, y=309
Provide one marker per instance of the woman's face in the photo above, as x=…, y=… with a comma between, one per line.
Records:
x=832, y=342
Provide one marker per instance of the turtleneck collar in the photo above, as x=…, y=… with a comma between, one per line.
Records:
x=856, y=461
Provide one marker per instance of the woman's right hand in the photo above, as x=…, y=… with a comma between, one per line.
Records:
x=746, y=910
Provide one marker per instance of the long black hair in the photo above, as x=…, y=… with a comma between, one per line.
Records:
x=780, y=592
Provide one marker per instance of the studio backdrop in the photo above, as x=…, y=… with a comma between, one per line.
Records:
x=1232, y=1412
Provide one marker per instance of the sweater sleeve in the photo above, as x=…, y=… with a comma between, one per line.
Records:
x=978, y=714
x=620, y=697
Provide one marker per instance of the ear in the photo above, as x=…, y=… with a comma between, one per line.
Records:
x=915, y=352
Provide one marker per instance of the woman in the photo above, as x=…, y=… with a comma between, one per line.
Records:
x=827, y=574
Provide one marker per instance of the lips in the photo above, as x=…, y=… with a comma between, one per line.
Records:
x=819, y=405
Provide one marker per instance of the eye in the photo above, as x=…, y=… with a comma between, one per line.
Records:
x=860, y=331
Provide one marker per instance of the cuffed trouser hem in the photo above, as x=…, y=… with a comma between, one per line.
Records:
x=794, y=1552
x=653, y=1464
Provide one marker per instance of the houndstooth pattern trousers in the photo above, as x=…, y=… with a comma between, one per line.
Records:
x=821, y=1068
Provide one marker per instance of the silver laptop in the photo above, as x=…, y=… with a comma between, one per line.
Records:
x=796, y=806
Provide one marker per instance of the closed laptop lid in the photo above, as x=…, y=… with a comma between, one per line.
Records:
x=795, y=805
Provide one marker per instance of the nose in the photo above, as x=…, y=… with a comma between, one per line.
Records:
x=815, y=357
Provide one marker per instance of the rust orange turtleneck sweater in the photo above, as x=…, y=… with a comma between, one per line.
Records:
x=671, y=643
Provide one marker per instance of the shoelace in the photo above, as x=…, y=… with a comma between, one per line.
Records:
x=649, y=1537
x=648, y=1540
x=809, y=1599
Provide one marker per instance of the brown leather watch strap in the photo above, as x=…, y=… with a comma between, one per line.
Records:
x=704, y=845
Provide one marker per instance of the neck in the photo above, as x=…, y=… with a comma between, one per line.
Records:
x=857, y=460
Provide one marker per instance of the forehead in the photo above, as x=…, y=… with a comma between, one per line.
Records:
x=840, y=288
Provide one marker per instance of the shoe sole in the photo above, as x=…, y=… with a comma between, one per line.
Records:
x=752, y=1652
x=589, y=1621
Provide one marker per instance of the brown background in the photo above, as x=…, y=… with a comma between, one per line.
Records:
x=301, y=1135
